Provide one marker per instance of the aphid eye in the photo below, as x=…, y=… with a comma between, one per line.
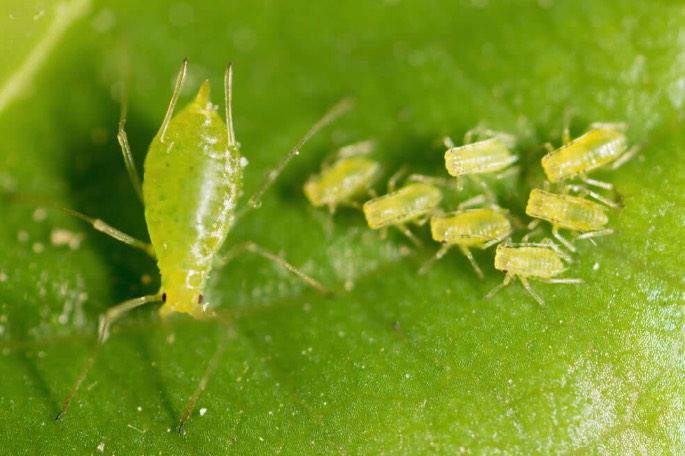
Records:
x=199, y=299
x=505, y=270
x=163, y=297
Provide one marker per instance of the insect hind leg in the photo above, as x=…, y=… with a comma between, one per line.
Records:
x=252, y=247
x=106, y=319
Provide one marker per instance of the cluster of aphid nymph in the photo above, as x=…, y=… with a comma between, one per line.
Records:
x=566, y=200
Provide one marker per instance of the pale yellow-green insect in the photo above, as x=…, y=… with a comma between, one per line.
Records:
x=476, y=228
x=490, y=155
x=192, y=181
x=600, y=146
x=349, y=178
x=542, y=261
x=411, y=203
x=568, y=212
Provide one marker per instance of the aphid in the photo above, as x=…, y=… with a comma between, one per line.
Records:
x=601, y=145
x=411, y=203
x=487, y=156
x=568, y=212
x=478, y=228
x=192, y=180
x=341, y=183
x=539, y=261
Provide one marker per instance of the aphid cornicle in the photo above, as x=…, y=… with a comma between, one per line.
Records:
x=411, y=203
x=192, y=181
x=542, y=261
x=347, y=179
x=568, y=212
x=601, y=145
x=478, y=228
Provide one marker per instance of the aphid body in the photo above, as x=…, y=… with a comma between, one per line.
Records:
x=488, y=156
x=410, y=203
x=341, y=183
x=601, y=145
x=540, y=261
x=191, y=183
x=568, y=212
x=479, y=228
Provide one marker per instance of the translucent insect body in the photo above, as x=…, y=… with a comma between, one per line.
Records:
x=479, y=228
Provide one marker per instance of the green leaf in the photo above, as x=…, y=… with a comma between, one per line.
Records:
x=394, y=362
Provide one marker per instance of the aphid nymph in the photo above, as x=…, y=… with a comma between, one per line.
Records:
x=489, y=155
x=568, y=212
x=411, y=203
x=192, y=181
x=477, y=228
x=347, y=179
x=542, y=261
x=604, y=143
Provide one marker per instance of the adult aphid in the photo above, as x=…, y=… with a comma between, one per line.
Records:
x=192, y=181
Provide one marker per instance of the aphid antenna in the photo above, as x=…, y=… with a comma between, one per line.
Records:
x=255, y=200
x=228, y=103
x=630, y=153
x=174, y=98
x=395, y=178
x=122, y=137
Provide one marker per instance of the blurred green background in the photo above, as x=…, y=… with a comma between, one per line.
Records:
x=394, y=363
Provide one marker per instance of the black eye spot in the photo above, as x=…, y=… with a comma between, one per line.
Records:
x=199, y=299
x=163, y=297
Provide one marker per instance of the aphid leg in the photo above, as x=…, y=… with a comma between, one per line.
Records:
x=251, y=247
x=392, y=182
x=477, y=200
x=595, y=183
x=202, y=384
x=512, y=171
x=560, y=280
x=255, y=200
x=549, y=147
x=507, y=278
x=597, y=233
x=407, y=232
x=584, y=191
x=174, y=98
x=562, y=239
x=486, y=189
x=498, y=239
x=528, y=288
x=447, y=142
x=106, y=320
x=438, y=255
x=627, y=155
x=533, y=230
x=441, y=181
x=467, y=253
x=618, y=126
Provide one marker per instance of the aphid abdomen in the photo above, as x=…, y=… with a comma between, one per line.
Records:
x=529, y=261
x=591, y=150
x=405, y=204
x=488, y=156
x=566, y=211
x=472, y=228
x=191, y=183
x=345, y=180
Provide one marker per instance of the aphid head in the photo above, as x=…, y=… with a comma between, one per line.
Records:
x=184, y=300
